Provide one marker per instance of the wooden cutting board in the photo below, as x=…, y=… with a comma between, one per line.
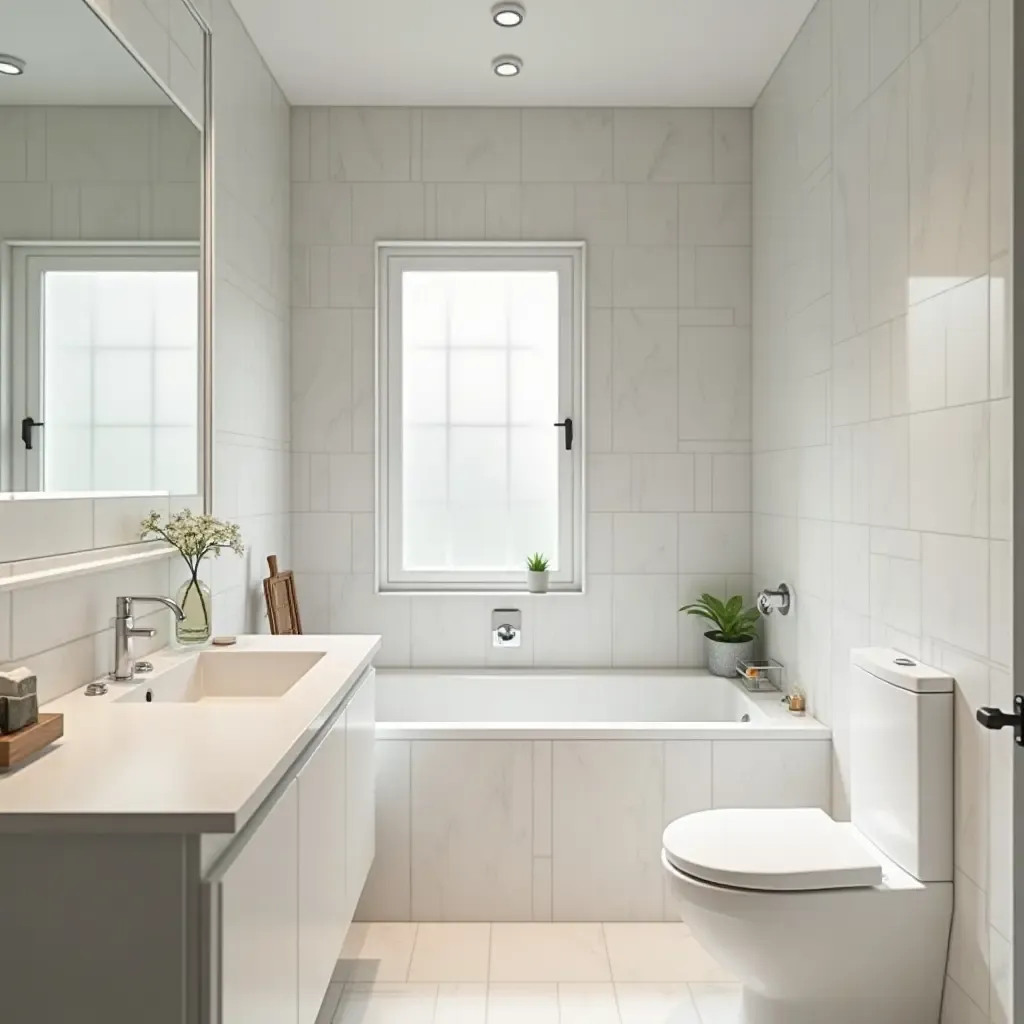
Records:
x=16, y=747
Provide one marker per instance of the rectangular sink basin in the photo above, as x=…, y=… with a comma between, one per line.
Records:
x=226, y=675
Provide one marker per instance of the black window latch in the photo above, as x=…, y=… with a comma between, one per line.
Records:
x=567, y=424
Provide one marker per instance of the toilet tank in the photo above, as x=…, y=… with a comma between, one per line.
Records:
x=901, y=760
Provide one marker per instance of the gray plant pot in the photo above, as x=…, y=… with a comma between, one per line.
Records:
x=722, y=657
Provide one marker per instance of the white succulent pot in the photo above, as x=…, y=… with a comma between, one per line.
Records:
x=537, y=582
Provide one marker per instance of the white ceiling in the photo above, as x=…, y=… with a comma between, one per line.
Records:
x=577, y=52
x=72, y=58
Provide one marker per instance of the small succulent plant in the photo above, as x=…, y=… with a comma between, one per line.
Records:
x=537, y=563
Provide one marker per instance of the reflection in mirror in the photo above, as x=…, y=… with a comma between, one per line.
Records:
x=100, y=225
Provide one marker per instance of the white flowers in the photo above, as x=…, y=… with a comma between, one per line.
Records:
x=194, y=536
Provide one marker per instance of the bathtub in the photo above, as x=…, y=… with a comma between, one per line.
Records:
x=518, y=796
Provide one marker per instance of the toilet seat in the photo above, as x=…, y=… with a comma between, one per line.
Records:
x=783, y=850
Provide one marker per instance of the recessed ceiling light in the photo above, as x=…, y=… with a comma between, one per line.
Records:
x=507, y=65
x=11, y=65
x=508, y=14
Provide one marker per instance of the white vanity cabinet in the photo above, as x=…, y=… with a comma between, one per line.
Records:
x=193, y=861
x=280, y=899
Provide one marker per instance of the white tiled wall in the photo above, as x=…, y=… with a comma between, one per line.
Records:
x=99, y=174
x=882, y=392
x=663, y=199
x=509, y=830
x=72, y=643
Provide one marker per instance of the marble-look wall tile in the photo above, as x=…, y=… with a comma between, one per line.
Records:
x=955, y=585
x=714, y=383
x=567, y=145
x=625, y=826
x=949, y=152
x=472, y=825
x=370, y=144
x=733, y=145
x=644, y=362
x=665, y=145
x=949, y=486
x=644, y=621
x=889, y=196
x=851, y=223
x=851, y=55
x=473, y=145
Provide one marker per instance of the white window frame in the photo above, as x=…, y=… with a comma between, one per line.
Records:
x=27, y=263
x=569, y=260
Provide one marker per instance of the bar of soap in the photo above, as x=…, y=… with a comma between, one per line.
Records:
x=18, y=682
x=18, y=712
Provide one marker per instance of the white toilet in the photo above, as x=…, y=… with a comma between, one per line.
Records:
x=838, y=923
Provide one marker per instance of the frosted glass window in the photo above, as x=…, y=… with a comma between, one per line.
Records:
x=119, y=359
x=481, y=357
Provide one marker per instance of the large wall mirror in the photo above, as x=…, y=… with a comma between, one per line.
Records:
x=104, y=263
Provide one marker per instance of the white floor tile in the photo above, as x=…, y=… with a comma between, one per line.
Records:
x=461, y=1004
x=451, y=952
x=548, y=952
x=516, y=1004
x=658, y=952
x=387, y=1003
x=649, y=1003
x=717, y=1004
x=376, y=952
x=587, y=1004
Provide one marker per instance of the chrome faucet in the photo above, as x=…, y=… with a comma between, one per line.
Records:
x=125, y=629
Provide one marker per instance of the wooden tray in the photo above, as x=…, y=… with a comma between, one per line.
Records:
x=15, y=747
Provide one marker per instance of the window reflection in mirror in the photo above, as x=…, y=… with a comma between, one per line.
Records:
x=100, y=223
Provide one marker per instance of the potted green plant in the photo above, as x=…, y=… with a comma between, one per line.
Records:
x=537, y=574
x=734, y=635
x=196, y=538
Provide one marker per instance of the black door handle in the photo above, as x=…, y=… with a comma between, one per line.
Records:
x=567, y=424
x=995, y=718
x=26, y=431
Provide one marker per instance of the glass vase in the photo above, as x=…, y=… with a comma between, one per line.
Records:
x=196, y=602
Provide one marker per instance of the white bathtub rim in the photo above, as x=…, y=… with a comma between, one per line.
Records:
x=708, y=731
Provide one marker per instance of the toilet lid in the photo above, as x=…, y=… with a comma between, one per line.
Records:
x=782, y=850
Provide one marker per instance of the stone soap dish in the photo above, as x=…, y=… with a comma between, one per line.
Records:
x=16, y=747
x=758, y=676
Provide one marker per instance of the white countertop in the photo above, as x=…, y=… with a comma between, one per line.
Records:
x=201, y=767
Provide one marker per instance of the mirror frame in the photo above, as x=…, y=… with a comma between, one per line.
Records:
x=80, y=534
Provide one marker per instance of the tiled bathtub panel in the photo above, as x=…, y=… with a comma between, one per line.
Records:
x=607, y=819
x=687, y=790
x=460, y=823
x=387, y=896
x=772, y=773
x=472, y=830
